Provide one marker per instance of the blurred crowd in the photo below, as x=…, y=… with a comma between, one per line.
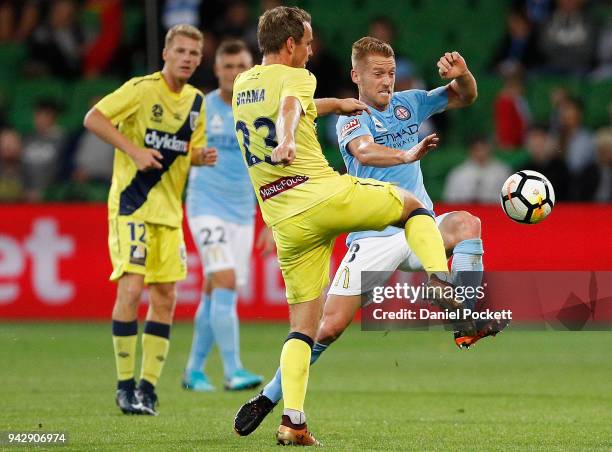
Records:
x=565, y=38
x=75, y=40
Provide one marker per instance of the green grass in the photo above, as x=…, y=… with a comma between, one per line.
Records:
x=536, y=390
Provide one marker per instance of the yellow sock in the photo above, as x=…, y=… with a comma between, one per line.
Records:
x=155, y=345
x=125, y=335
x=125, y=356
x=424, y=239
x=295, y=365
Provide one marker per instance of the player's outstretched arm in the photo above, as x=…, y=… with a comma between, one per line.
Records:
x=373, y=154
x=204, y=156
x=347, y=107
x=288, y=118
x=462, y=91
x=100, y=125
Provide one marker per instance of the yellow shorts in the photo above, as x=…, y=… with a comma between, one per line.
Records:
x=304, y=242
x=153, y=250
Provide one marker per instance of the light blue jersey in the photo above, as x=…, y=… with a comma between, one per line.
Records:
x=397, y=127
x=223, y=190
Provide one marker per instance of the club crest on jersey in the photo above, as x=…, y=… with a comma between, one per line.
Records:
x=378, y=126
x=193, y=118
x=350, y=127
x=216, y=124
x=401, y=113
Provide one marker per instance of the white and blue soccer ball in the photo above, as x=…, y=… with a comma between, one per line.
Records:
x=527, y=197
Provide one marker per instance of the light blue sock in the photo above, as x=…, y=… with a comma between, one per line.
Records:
x=467, y=267
x=203, y=338
x=224, y=321
x=273, y=389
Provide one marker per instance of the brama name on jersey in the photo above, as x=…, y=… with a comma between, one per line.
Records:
x=250, y=96
x=164, y=141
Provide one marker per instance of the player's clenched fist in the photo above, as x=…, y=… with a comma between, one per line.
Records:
x=147, y=159
x=284, y=153
x=204, y=157
x=452, y=65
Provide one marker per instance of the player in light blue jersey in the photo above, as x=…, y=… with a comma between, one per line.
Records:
x=383, y=144
x=220, y=211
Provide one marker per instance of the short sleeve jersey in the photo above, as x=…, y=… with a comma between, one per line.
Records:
x=150, y=115
x=397, y=127
x=282, y=192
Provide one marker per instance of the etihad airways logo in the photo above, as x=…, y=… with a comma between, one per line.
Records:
x=165, y=141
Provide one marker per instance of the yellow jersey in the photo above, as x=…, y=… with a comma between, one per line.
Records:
x=282, y=192
x=150, y=115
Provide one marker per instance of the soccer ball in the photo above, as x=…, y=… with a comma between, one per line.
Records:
x=527, y=197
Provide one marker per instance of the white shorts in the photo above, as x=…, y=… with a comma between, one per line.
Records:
x=223, y=245
x=374, y=254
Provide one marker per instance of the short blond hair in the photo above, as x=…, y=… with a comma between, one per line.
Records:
x=188, y=31
x=367, y=46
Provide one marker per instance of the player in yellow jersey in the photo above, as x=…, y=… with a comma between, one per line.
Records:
x=156, y=124
x=304, y=201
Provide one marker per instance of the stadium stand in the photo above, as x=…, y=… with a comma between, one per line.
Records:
x=422, y=35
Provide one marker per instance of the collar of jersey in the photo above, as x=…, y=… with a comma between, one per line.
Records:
x=167, y=88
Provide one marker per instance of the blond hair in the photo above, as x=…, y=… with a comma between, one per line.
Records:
x=188, y=31
x=367, y=46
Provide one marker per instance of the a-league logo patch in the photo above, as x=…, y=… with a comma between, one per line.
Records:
x=157, y=111
x=401, y=113
x=193, y=118
x=350, y=127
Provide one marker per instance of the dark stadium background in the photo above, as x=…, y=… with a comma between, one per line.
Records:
x=58, y=56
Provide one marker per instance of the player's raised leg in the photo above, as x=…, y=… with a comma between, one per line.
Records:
x=462, y=237
x=155, y=342
x=125, y=335
x=424, y=239
x=461, y=233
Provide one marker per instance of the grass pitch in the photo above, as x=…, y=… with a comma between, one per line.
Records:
x=370, y=391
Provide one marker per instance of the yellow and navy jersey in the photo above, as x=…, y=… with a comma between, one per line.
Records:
x=150, y=115
x=281, y=191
